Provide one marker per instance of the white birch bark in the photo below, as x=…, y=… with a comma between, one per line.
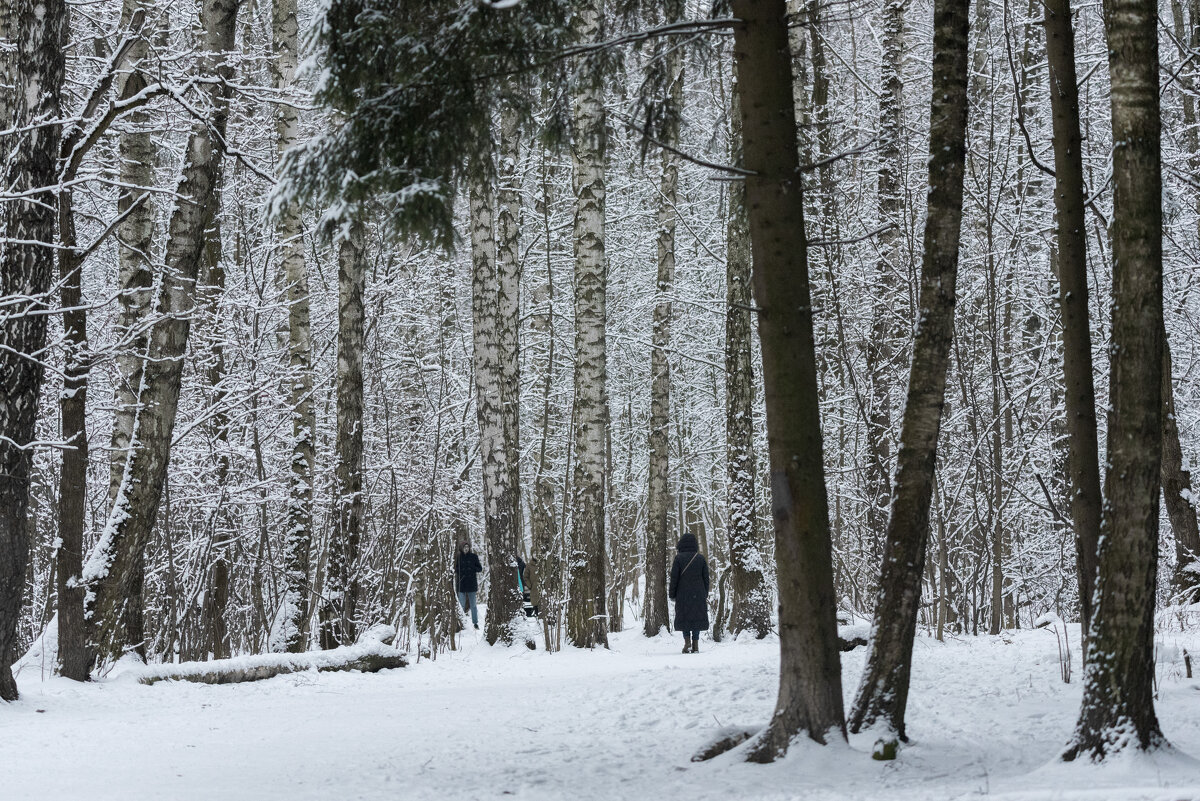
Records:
x=112, y=568
x=292, y=632
x=587, y=624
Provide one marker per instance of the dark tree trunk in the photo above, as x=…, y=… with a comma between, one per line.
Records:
x=658, y=495
x=1083, y=456
x=1177, y=495
x=342, y=588
x=72, y=497
x=1118, y=688
x=26, y=271
x=883, y=694
x=810, y=681
x=751, y=602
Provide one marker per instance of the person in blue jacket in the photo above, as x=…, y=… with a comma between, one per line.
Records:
x=689, y=591
x=466, y=583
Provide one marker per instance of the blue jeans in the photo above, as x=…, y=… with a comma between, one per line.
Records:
x=468, y=598
x=691, y=635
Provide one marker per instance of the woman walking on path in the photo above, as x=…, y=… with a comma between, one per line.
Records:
x=689, y=591
x=466, y=565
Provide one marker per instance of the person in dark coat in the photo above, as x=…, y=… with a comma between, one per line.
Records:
x=466, y=583
x=689, y=591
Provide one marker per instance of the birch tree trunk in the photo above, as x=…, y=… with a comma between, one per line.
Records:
x=292, y=631
x=751, y=602
x=883, y=693
x=1083, y=457
x=810, y=682
x=136, y=288
x=658, y=498
x=504, y=599
x=508, y=313
x=339, y=625
x=1117, y=712
x=111, y=570
x=40, y=28
x=545, y=566
x=587, y=624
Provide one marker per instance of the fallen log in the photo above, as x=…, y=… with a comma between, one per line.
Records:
x=371, y=655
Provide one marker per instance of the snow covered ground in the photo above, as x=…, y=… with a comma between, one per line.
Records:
x=986, y=716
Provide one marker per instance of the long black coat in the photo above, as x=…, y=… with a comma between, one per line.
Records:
x=465, y=568
x=689, y=586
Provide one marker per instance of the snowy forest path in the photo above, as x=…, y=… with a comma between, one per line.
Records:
x=987, y=713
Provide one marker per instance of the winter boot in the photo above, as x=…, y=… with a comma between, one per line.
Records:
x=696, y=646
x=687, y=644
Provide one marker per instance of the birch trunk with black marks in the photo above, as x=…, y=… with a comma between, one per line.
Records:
x=111, y=571
x=810, y=682
x=499, y=517
x=136, y=288
x=292, y=628
x=587, y=622
x=1117, y=713
x=1083, y=459
x=339, y=613
x=882, y=695
x=40, y=28
x=658, y=497
x=751, y=601
x=508, y=313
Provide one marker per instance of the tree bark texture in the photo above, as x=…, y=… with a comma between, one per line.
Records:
x=292, y=633
x=111, y=571
x=883, y=692
x=810, y=682
x=888, y=327
x=40, y=28
x=341, y=586
x=1117, y=712
x=1083, y=457
x=587, y=622
x=751, y=602
x=1177, y=495
x=658, y=497
x=72, y=498
x=499, y=516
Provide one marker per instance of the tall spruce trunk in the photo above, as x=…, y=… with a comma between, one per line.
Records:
x=1117, y=712
x=292, y=630
x=339, y=614
x=1083, y=457
x=72, y=493
x=26, y=270
x=888, y=327
x=587, y=622
x=810, y=681
x=751, y=601
x=883, y=693
x=216, y=601
x=499, y=516
x=658, y=498
x=1177, y=495
x=111, y=572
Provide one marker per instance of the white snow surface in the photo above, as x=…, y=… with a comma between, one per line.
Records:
x=987, y=716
